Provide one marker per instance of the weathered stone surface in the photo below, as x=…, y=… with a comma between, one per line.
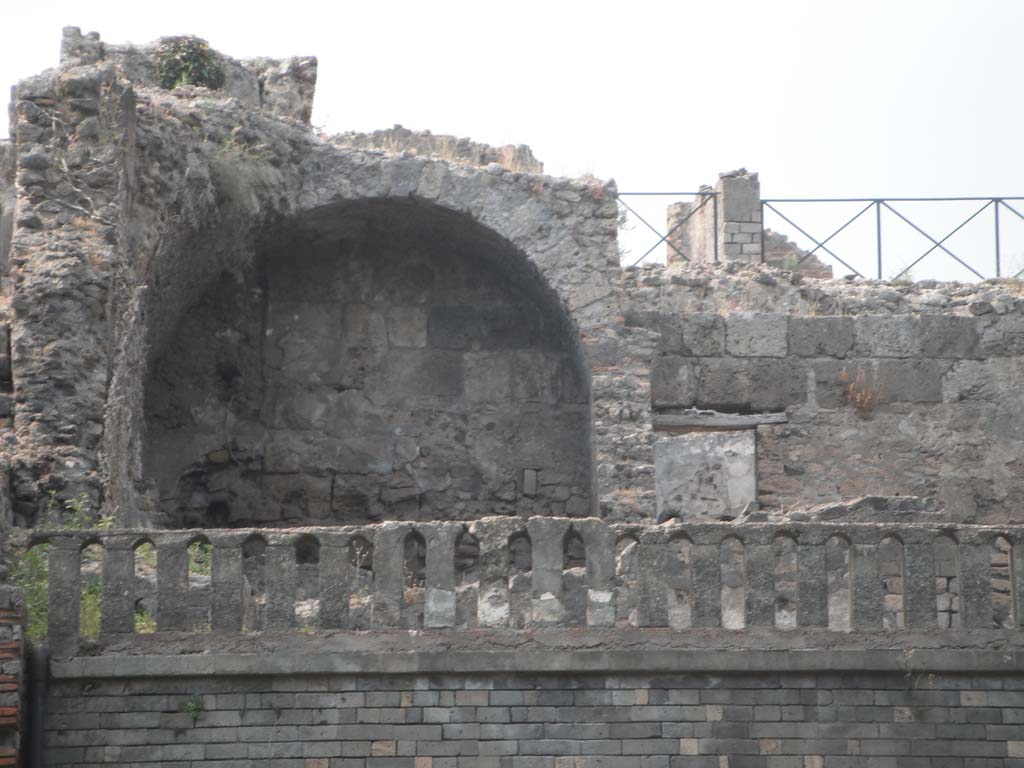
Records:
x=886, y=336
x=705, y=474
x=820, y=336
x=756, y=335
x=913, y=381
x=673, y=382
x=405, y=325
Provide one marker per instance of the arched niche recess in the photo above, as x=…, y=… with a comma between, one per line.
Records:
x=384, y=360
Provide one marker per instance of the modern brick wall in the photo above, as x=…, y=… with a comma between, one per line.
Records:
x=11, y=675
x=544, y=720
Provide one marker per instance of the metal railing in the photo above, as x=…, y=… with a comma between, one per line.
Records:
x=703, y=196
x=878, y=205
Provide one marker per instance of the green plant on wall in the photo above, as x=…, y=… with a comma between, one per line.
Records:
x=31, y=570
x=188, y=60
x=192, y=706
x=31, y=573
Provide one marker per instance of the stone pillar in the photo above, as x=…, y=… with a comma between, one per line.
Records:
x=12, y=674
x=732, y=221
x=739, y=216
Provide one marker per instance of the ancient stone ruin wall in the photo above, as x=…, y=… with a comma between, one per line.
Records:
x=465, y=493
x=387, y=364
x=724, y=223
x=845, y=389
x=190, y=186
x=512, y=157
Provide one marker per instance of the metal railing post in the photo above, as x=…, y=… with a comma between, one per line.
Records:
x=762, y=232
x=714, y=214
x=998, y=254
x=878, y=235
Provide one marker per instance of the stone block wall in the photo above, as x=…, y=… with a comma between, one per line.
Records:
x=394, y=367
x=12, y=676
x=147, y=197
x=852, y=389
x=723, y=714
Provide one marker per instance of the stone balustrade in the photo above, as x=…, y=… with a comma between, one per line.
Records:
x=519, y=574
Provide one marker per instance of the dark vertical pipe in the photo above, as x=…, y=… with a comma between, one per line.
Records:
x=38, y=672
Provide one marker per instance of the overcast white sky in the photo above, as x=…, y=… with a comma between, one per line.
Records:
x=824, y=98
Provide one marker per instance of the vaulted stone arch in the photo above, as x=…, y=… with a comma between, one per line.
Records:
x=376, y=359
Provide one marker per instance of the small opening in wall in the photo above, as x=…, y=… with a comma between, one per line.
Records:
x=414, y=574
x=627, y=581
x=360, y=600
x=520, y=578
x=218, y=514
x=254, y=594
x=467, y=579
x=200, y=570
x=574, y=578
x=680, y=582
x=91, y=606
x=145, y=587
x=307, y=594
x=1002, y=584
x=890, y=570
x=732, y=560
x=785, y=582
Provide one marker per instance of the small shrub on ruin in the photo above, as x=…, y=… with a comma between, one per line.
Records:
x=188, y=60
x=861, y=394
x=241, y=174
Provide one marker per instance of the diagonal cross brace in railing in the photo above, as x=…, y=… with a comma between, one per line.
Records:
x=996, y=203
x=939, y=243
x=805, y=233
x=664, y=238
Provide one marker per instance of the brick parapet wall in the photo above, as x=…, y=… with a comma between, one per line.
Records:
x=12, y=675
x=707, y=710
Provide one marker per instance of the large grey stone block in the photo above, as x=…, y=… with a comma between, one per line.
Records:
x=756, y=335
x=886, y=336
x=949, y=336
x=673, y=382
x=705, y=474
x=820, y=336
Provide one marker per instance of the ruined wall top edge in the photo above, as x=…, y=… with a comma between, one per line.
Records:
x=733, y=287
x=285, y=87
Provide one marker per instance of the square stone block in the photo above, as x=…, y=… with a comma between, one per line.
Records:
x=750, y=334
x=705, y=474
